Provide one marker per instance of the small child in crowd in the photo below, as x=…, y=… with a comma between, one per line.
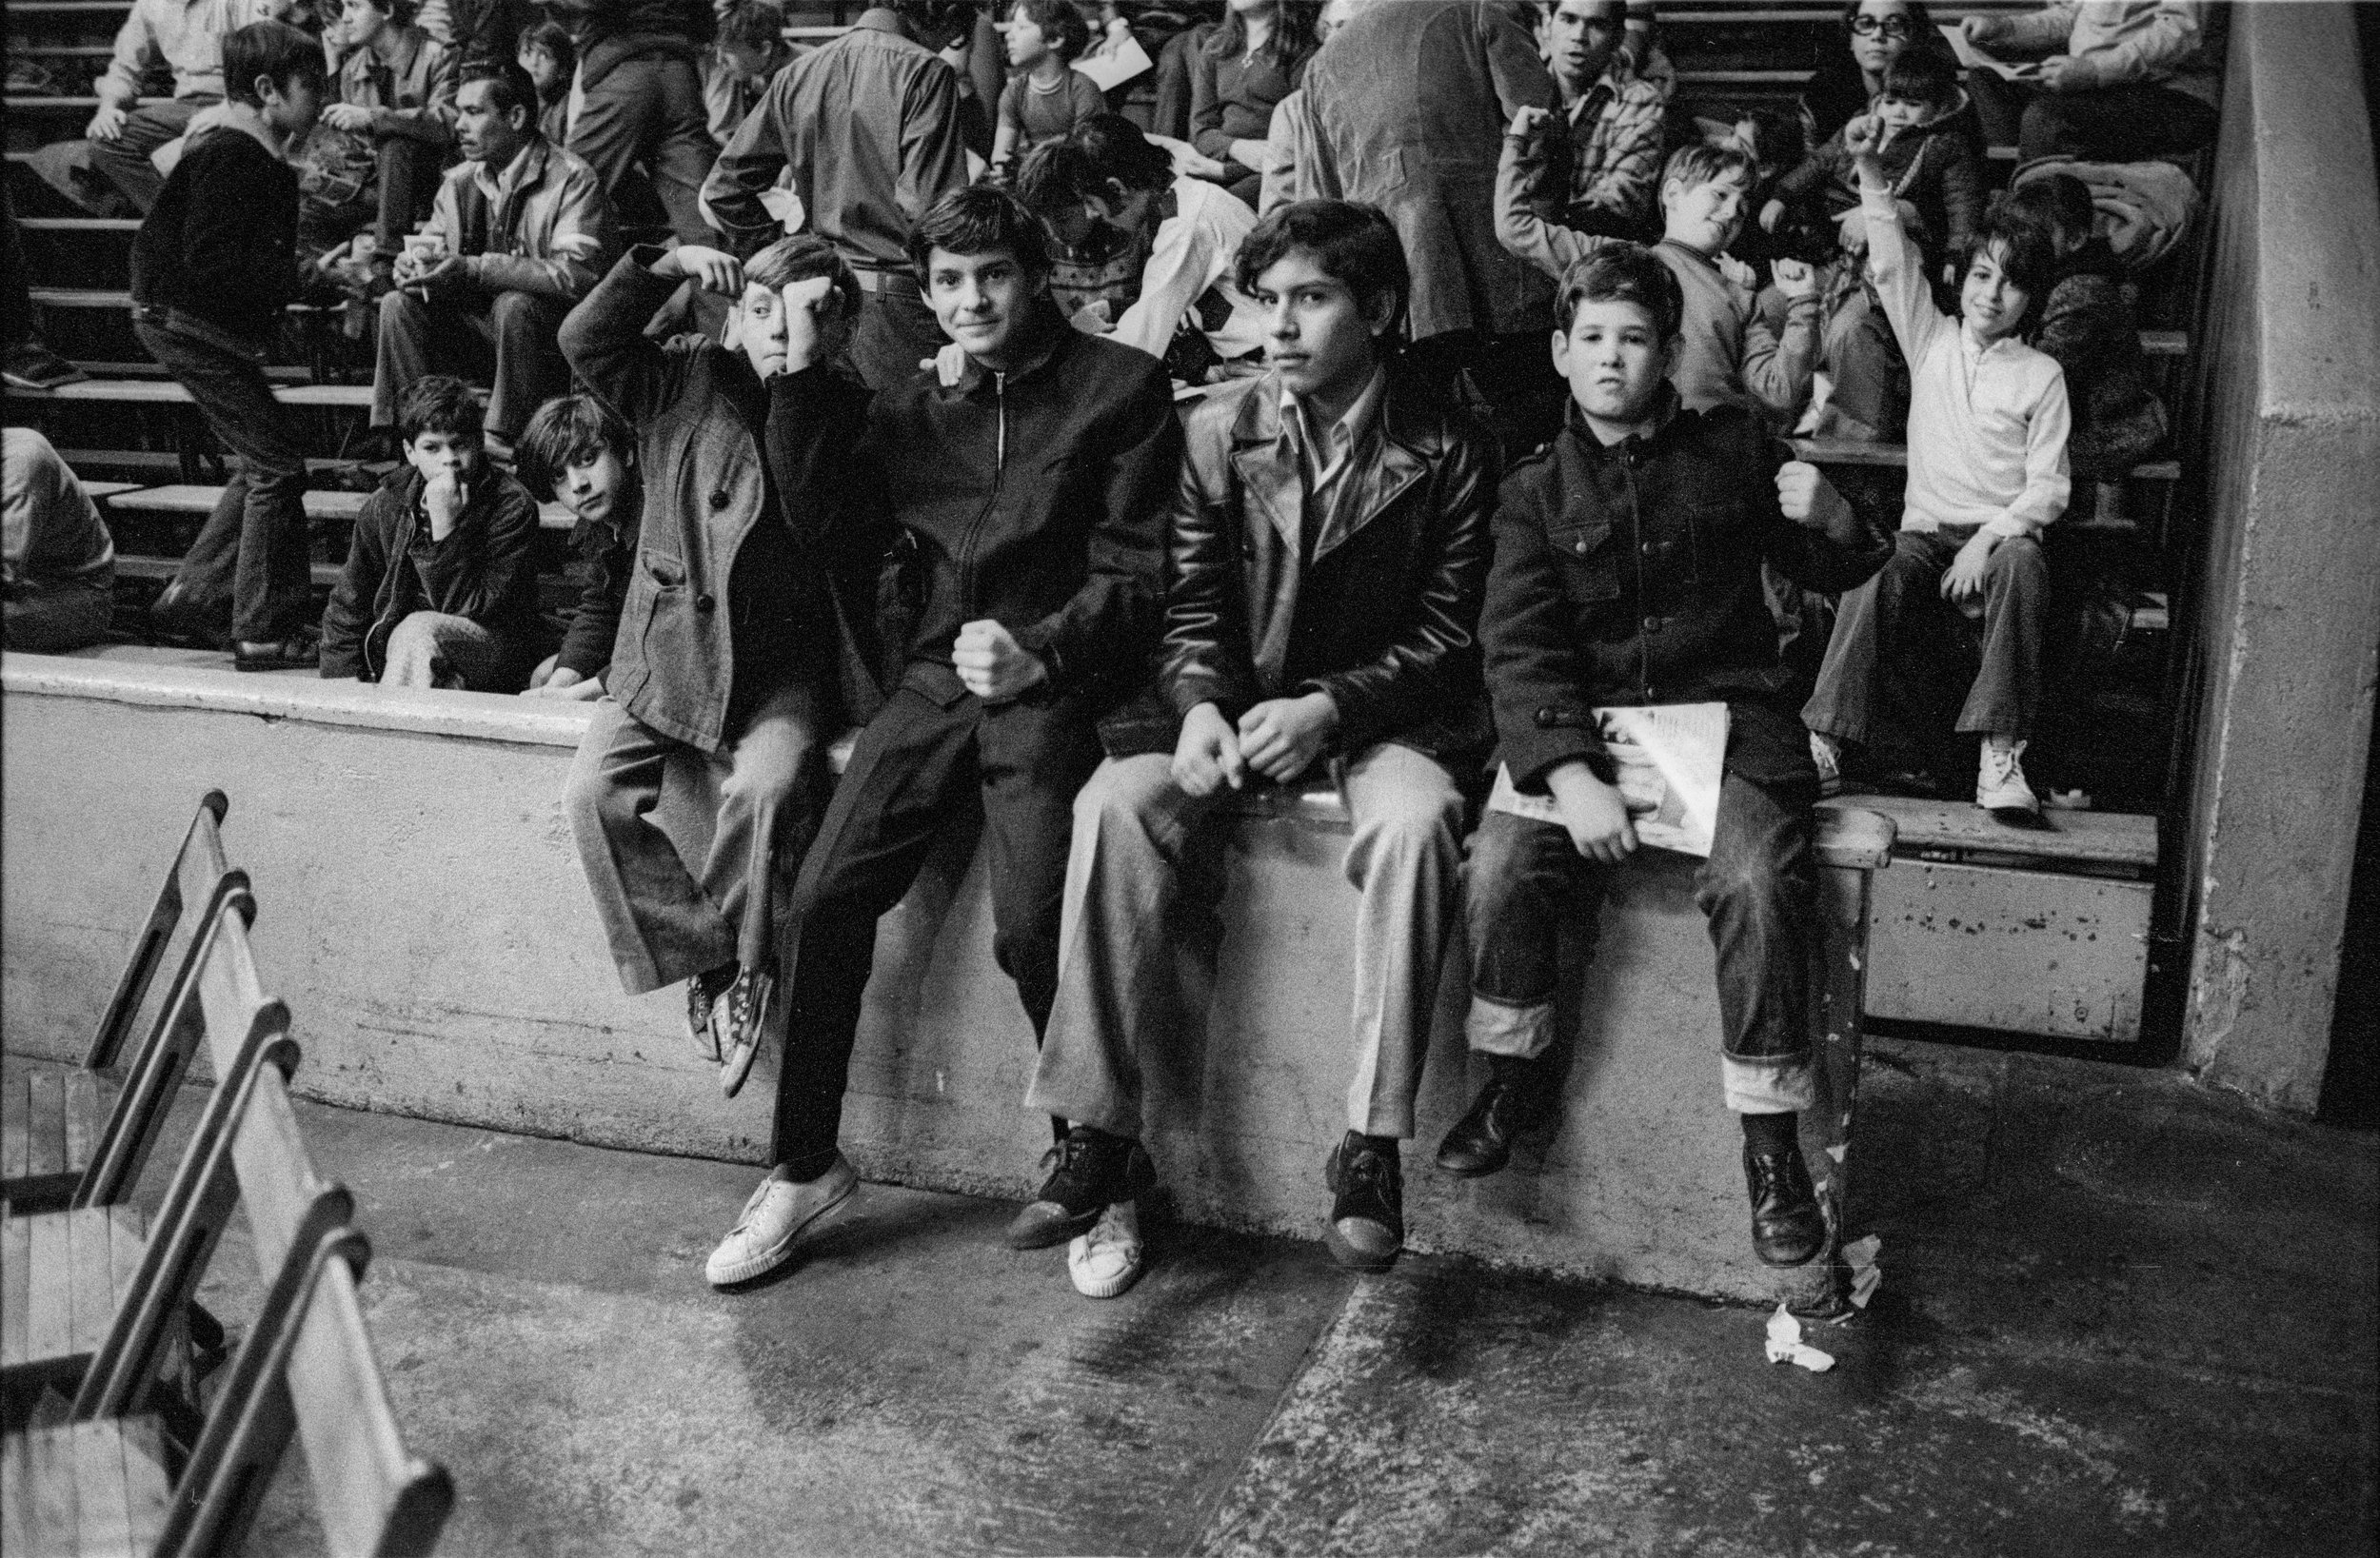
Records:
x=1793, y=228
x=551, y=59
x=1047, y=96
x=751, y=49
x=1628, y=571
x=439, y=587
x=1988, y=423
x=1727, y=354
x=1930, y=155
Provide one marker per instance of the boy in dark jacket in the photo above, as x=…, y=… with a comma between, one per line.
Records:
x=1628, y=571
x=439, y=589
x=212, y=268
x=727, y=644
x=1327, y=548
x=1029, y=497
x=578, y=448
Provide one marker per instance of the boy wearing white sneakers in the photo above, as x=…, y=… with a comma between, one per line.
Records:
x=1987, y=421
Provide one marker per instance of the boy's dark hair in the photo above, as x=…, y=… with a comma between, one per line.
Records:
x=1697, y=164
x=978, y=220
x=758, y=25
x=566, y=432
x=1048, y=178
x=2059, y=199
x=1355, y=242
x=438, y=403
x=400, y=12
x=554, y=39
x=937, y=23
x=798, y=258
x=512, y=88
x=275, y=50
x=1061, y=24
x=1624, y=273
x=2021, y=244
x=1921, y=75
x=1105, y=146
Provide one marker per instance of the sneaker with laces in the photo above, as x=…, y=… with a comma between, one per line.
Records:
x=774, y=1218
x=1088, y=1172
x=1828, y=755
x=701, y=995
x=1367, y=1226
x=738, y=1021
x=2000, y=777
x=1107, y=1260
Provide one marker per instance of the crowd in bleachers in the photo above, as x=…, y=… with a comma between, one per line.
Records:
x=858, y=362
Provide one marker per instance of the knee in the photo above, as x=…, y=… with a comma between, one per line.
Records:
x=594, y=805
x=1416, y=826
x=402, y=311
x=515, y=315
x=2017, y=563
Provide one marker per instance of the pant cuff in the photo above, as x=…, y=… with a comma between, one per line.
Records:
x=1779, y=1085
x=1493, y=1027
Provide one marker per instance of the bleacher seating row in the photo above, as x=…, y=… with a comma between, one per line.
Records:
x=98, y=1301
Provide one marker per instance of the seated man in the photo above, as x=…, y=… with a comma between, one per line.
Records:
x=186, y=39
x=1028, y=496
x=2124, y=80
x=1615, y=116
x=1328, y=554
x=1628, y=571
x=57, y=562
x=375, y=159
x=440, y=588
x=516, y=236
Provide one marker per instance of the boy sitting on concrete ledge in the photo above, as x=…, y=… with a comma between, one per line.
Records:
x=1627, y=572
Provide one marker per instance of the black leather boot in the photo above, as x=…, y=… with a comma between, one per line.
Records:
x=1787, y=1226
x=1482, y=1141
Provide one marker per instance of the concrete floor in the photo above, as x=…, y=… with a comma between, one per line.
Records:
x=2119, y=1315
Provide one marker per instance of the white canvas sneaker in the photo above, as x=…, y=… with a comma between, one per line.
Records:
x=772, y=1219
x=1106, y=1260
x=2000, y=777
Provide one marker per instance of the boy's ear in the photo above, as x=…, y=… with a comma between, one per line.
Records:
x=268, y=91
x=1380, y=316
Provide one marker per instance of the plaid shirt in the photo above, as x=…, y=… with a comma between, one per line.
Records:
x=1615, y=133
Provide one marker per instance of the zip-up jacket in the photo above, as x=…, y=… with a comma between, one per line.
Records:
x=1035, y=498
x=1630, y=575
x=483, y=570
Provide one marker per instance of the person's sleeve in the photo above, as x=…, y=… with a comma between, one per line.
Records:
x=1108, y=623
x=1204, y=656
x=1008, y=119
x=2040, y=32
x=136, y=51
x=604, y=558
x=1841, y=554
x=1533, y=674
x=1811, y=172
x=1519, y=76
x=1313, y=175
x=1632, y=156
x=347, y=615
x=1206, y=108
x=1521, y=227
x=1086, y=95
x=719, y=100
x=1180, y=267
x=446, y=214
x=2151, y=49
x=2081, y=323
x=569, y=267
x=2047, y=482
x=483, y=576
x=1899, y=274
x=933, y=150
x=433, y=122
x=231, y=250
x=1777, y=365
x=1435, y=660
x=604, y=343
x=747, y=167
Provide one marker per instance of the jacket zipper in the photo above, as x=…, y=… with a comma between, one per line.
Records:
x=1000, y=463
x=1644, y=647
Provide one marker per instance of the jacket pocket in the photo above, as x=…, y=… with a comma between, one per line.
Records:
x=1589, y=563
x=665, y=572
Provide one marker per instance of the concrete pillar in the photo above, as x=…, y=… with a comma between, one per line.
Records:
x=2284, y=635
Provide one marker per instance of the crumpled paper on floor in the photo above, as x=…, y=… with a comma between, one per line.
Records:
x=1786, y=1346
x=1866, y=1275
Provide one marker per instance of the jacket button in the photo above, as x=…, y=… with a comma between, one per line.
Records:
x=1545, y=716
x=1578, y=546
x=1653, y=624
x=1652, y=547
x=719, y=498
x=703, y=602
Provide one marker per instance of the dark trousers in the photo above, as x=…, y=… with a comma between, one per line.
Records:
x=510, y=336
x=648, y=110
x=1894, y=624
x=894, y=334
x=1758, y=890
x=915, y=766
x=251, y=558
x=51, y=615
x=124, y=162
x=2115, y=123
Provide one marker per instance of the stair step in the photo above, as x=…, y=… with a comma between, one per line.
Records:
x=1845, y=451
x=135, y=566
x=145, y=371
x=65, y=7
x=169, y=465
x=79, y=224
x=167, y=392
x=192, y=498
x=56, y=102
x=2081, y=837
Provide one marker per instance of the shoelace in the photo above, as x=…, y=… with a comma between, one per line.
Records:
x=1770, y=1173
x=1366, y=1171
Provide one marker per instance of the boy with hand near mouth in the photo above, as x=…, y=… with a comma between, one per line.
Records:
x=729, y=637
x=439, y=589
x=1628, y=570
x=1987, y=424
x=1727, y=352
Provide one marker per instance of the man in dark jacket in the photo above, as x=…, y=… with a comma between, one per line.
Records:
x=1328, y=547
x=1028, y=496
x=727, y=640
x=439, y=589
x=1628, y=571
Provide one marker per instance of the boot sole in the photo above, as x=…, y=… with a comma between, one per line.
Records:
x=1474, y=1171
x=1042, y=1235
x=1353, y=1258
x=777, y=1254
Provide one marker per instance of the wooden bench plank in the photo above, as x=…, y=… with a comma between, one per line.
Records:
x=78, y=224
x=85, y=1117
x=2084, y=837
x=134, y=565
x=16, y=1271
x=169, y=392
x=49, y=1473
x=193, y=498
x=103, y=1521
x=15, y=1123
x=16, y=1525
x=92, y=1301
x=44, y=1125
x=1853, y=451
x=147, y=1492
x=49, y=1308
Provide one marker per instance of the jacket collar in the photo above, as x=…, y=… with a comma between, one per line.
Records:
x=1269, y=474
x=1666, y=420
x=1046, y=333
x=885, y=19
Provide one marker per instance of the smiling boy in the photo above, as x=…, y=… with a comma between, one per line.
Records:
x=1028, y=496
x=1628, y=571
x=1328, y=552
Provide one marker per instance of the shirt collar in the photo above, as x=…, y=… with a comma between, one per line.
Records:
x=516, y=173
x=1326, y=452
x=882, y=19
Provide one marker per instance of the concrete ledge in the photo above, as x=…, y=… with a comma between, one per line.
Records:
x=422, y=909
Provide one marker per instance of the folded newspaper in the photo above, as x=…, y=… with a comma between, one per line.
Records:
x=1973, y=56
x=1669, y=757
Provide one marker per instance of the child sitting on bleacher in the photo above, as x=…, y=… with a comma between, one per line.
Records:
x=551, y=59
x=1988, y=423
x=750, y=50
x=576, y=449
x=439, y=587
x=1727, y=354
x=1628, y=571
x=1047, y=97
